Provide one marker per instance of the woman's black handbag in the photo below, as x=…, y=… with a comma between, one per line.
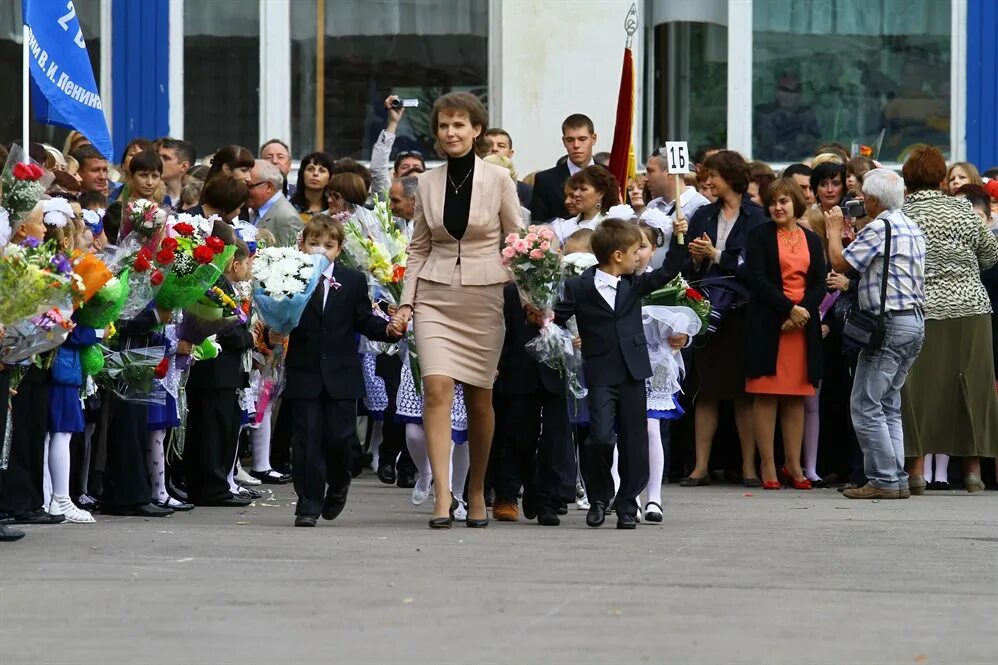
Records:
x=865, y=329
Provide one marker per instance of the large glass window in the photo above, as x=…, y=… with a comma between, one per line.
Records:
x=221, y=74
x=690, y=69
x=371, y=48
x=847, y=71
x=88, y=13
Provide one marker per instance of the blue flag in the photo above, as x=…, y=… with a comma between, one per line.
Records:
x=61, y=72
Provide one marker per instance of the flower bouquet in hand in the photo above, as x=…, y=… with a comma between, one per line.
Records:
x=679, y=292
x=142, y=223
x=381, y=256
x=537, y=271
x=34, y=277
x=213, y=313
x=131, y=374
x=23, y=184
x=190, y=264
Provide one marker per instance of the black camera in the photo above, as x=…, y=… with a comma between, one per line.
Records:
x=404, y=103
x=853, y=209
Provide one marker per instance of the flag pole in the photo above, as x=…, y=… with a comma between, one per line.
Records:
x=25, y=88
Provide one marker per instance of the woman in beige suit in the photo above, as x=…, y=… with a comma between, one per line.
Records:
x=453, y=293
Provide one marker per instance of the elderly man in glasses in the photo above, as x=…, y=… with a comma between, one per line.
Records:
x=407, y=162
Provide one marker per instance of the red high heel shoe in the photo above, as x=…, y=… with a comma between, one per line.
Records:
x=797, y=484
x=771, y=485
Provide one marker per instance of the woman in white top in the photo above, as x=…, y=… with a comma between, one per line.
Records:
x=595, y=190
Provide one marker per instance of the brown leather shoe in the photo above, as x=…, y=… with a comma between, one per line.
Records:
x=904, y=493
x=505, y=512
x=868, y=491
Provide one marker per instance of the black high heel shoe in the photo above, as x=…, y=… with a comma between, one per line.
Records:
x=445, y=522
x=472, y=523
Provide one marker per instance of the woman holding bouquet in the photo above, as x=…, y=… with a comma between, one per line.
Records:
x=454, y=288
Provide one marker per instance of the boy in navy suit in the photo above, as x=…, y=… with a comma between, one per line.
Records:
x=606, y=302
x=324, y=377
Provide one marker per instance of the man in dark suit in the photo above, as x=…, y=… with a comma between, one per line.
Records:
x=606, y=302
x=324, y=378
x=579, y=138
x=538, y=457
x=214, y=415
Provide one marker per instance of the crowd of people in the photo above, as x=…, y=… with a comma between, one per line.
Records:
x=850, y=305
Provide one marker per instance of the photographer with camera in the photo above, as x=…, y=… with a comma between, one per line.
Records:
x=889, y=254
x=409, y=162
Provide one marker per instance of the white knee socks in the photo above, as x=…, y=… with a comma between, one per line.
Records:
x=156, y=466
x=614, y=472
x=260, y=441
x=415, y=441
x=941, y=474
x=460, y=460
x=58, y=464
x=656, y=462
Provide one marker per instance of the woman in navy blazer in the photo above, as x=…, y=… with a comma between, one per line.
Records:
x=716, y=245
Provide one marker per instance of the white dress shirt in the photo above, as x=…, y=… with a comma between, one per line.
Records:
x=573, y=169
x=327, y=280
x=607, y=286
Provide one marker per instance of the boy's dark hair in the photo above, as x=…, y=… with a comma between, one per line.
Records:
x=224, y=192
x=242, y=250
x=323, y=224
x=347, y=165
x=184, y=149
x=85, y=152
x=499, y=131
x=112, y=222
x=796, y=169
x=92, y=199
x=147, y=161
x=614, y=235
x=577, y=120
x=732, y=168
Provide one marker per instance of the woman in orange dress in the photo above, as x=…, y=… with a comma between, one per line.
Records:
x=787, y=271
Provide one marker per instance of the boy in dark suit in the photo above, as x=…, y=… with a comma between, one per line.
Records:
x=539, y=457
x=324, y=377
x=214, y=414
x=606, y=302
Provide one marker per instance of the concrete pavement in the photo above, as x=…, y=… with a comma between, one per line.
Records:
x=730, y=577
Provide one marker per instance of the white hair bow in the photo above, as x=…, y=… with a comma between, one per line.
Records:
x=621, y=211
x=58, y=213
x=93, y=217
x=657, y=220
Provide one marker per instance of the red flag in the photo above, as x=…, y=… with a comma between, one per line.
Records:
x=622, y=160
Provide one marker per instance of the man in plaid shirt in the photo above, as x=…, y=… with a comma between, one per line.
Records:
x=880, y=373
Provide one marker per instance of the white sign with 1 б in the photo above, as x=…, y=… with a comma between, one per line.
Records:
x=678, y=156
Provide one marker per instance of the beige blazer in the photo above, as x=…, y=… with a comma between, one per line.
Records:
x=433, y=252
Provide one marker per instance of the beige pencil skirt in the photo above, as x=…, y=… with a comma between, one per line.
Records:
x=459, y=330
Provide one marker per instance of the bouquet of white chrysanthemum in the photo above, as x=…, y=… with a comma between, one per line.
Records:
x=284, y=279
x=577, y=263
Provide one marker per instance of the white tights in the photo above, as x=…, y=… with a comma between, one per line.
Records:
x=656, y=462
x=260, y=441
x=941, y=473
x=812, y=430
x=156, y=465
x=415, y=441
x=56, y=478
x=460, y=460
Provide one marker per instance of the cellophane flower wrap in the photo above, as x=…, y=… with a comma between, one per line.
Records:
x=190, y=263
x=105, y=307
x=23, y=184
x=678, y=292
x=660, y=323
x=380, y=254
x=284, y=279
x=213, y=313
x=131, y=373
x=142, y=224
x=538, y=273
x=33, y=279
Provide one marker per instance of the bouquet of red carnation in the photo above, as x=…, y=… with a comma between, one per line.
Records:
x=679, y=292
x=188, y=265
x=23, y=184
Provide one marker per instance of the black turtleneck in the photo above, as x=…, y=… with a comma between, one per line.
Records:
x=457, y=204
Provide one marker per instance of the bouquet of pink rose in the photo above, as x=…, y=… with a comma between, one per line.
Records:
x=537, y=271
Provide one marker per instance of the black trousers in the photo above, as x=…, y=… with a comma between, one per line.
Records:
x=126, y=477
x=4, y=410
x=22, y=484
x=325, y=431
x=623, y=405
x=536, y=450
x=213, y=418
x=389, y=368
x=280, y=436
